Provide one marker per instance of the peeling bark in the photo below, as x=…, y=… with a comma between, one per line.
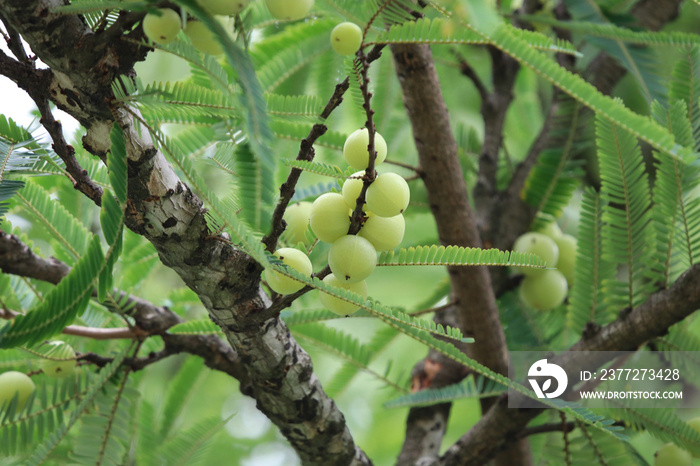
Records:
x=164, y=210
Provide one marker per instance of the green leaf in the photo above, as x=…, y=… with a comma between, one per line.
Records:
x=68, y=232
x=468, y=388
x=676, y=214
x=605, y=107
x=60, y=306
x=685, y=86
x=661, y=423
x=556, y=176
x=439, y=31
x=338, y=343
x=188, y=445
x=586, y=300
x=195, y=327
x=256, y=188
x=457, y=255
x=42, y=451
x=318, y=168
x=626, y=237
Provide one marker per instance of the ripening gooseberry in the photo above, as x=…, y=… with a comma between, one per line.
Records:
x=330, y=217
x=356, y=152
x=672, y=455
x=346, y=38
x=552, y=230
x=162, y=28
x=297, y=218
x=289, y=9
x=295, y=259
x=567, y=256
x=352, y=258
x=383, y=232
x=224, y=7
x=13, y=382
x=62, y=362
x=540, y=245
x=544, y=292
x=352, y=188
x=202, y=38
x=338, y=305
x=695, y=425
x=388, y=195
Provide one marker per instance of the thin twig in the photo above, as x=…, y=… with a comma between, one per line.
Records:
x=306, y=152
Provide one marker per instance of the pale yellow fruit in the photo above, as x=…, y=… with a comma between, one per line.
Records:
x=338, y=305
x=15, y=383
x=289, y=9
x=295, y=259
x=297, y=218
x=388, y=195
x=63, y=360
x=330, y=217
x=384, y=232
x=202, y=38
x=162, y=27
x=352, y=258
x=224, y=7
x=355, y=149
x=352, y=188
x=346, y=38
x=672, y=455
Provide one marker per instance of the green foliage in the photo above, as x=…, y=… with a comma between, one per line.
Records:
x=468, y=388
x=557, y=174
x=457, y=255
x=232, y=129
x=626, y=238
x=592, y=269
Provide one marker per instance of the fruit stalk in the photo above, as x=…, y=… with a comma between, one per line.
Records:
x=370, y=173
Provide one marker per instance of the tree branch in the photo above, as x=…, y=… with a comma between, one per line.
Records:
x=449, y=201
x=226, y=280
x=502, y=425
x=18, y=259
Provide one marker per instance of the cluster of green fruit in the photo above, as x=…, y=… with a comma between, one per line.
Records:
x=351, y=258
x=545, y=289
x=58, y=361
x=163, y=25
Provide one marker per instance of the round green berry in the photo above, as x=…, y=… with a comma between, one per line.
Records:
x=330, y=217
x=60, y=360
x=388, y=195
x=540, y=245
x=567, y=256
x=15, y=383
x=289, y=9
x=338, y=305
x=352, y=258
x=295, y=259
x=672, y=455
x=202, y=38
x=352, y=188
x=224, y=7
x=346, y=38
x=297, y=218
x=552, y=230
x=162, y=27
x=356, y=150
x=544, y=292
x=383, y=232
